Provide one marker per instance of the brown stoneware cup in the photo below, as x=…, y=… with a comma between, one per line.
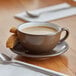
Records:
x=40, y=44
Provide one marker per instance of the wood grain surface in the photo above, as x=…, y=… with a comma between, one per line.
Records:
x=65, y=63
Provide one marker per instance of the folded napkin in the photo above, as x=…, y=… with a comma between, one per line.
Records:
x=53, y=13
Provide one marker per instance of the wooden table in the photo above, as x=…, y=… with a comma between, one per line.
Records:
x=65, y=63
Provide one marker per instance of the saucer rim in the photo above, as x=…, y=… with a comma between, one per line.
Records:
x=43, y=56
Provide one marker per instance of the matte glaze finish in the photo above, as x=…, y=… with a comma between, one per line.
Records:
x=39, y=44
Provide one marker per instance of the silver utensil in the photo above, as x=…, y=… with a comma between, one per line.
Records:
x=35, y=15
x=7, y=60
x=4, y=59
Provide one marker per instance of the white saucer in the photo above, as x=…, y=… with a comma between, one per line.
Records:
x=58, y=50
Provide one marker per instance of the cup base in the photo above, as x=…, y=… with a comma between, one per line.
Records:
x=58, y=50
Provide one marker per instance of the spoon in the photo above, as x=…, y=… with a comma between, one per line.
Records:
x=4, y=59
x=7, y=60
x=36, y=15
x=54, y=8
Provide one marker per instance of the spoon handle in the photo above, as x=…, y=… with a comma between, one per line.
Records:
x=38, y=69
x=55, y=7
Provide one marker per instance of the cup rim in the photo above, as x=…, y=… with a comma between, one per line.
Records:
x=57, y=26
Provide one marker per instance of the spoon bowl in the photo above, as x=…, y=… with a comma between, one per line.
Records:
x=4, y=57
x=32, y=15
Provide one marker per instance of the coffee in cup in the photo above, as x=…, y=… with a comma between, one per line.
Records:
x=39, y=30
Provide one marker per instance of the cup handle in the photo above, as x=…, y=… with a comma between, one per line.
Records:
x=66, y=35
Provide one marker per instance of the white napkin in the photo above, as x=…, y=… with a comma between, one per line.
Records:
x=49, y=15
